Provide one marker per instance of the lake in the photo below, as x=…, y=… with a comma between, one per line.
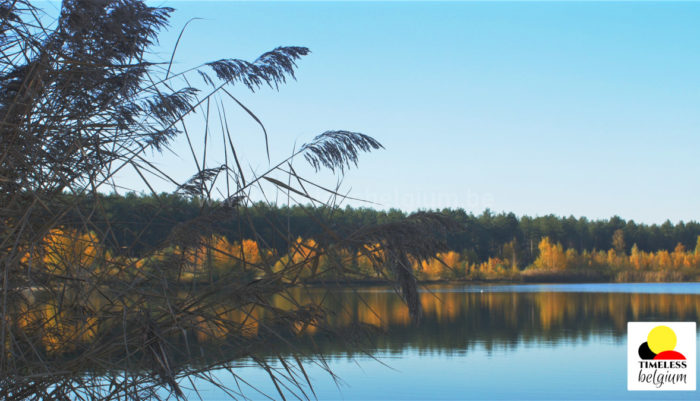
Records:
x=560, y=341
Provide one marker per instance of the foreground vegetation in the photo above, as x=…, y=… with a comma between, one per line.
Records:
x=84, y=99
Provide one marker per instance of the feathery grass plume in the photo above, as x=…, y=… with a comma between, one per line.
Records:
x=338, y=149
x=271, y=68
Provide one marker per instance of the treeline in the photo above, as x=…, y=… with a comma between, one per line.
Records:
x=213, y=258
x=136, y=224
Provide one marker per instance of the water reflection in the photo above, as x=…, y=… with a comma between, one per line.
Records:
x=486, y=342
x=457, y=320
x=453, y=319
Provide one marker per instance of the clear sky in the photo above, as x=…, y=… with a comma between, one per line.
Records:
x=573, y=108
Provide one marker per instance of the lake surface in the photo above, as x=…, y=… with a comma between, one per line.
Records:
x=563, y=341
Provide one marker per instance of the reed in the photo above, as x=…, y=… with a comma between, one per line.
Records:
x=81, y=103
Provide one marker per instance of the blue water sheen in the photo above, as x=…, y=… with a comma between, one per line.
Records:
x=579, y=370
x=629, y=288
x=578, y=358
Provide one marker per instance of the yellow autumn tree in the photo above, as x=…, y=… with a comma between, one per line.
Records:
x=62, y=250
x=225, y=253
x=442, y=266
x=303, y=257
x=222, y=251
x=637, y=258
x=250, y=252
x=551, y=256
x=662, y=259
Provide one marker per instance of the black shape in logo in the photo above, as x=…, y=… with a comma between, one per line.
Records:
x=645, y=352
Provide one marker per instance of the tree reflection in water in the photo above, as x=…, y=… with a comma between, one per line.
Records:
x=451, y=320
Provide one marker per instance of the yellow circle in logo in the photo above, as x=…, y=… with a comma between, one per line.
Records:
x=661, y=338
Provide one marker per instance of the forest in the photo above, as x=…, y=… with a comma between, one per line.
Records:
x=487, y=246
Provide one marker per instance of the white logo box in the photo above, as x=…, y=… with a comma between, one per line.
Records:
x=662, y=376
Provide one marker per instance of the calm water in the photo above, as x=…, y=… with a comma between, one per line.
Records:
x=486, y=342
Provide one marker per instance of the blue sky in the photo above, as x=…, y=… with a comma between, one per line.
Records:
x=585, y=109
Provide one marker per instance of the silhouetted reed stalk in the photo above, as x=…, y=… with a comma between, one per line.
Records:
x=82, y=318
